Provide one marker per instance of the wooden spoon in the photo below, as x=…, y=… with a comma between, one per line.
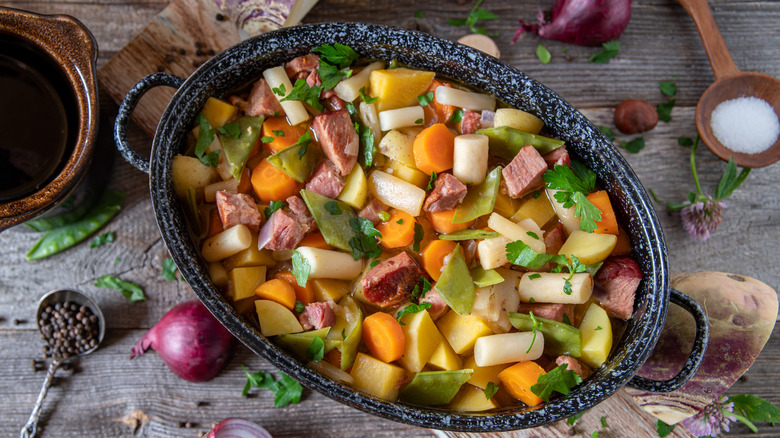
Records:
x=730, y=83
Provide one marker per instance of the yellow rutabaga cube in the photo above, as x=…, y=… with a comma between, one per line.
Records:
x=596, y=336
x=422, y=339
x=355, y=188
x=590, y=248
x=462, y=331
x=275, y=319
x=483, y=375
x=536, y=208
x=244, y=281
x=376, y=377
x=218, y=112
x=398, y=87
x=408, y=174
x=472, y=399
x=445, y=358
x=328, y=289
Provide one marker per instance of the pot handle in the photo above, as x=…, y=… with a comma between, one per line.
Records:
x=696, y=356
x=128, y=106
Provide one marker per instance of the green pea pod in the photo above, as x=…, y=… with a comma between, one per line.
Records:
x=335, y=228
x=237, y=150
x=349, y=330
x=559, y=338
x=468, y=235
x=298, y=343
x=433, y=388
x=50, y=223
x=506, y=142
x=483, y=278
x=62, y=238
x=480, y=199
x=455, y=285
x=296, y=161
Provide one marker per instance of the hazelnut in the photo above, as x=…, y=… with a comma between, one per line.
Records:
x=633, y=116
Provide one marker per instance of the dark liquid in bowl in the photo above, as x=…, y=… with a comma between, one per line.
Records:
x=34, y=127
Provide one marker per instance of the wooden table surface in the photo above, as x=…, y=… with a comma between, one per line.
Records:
x=109, y=395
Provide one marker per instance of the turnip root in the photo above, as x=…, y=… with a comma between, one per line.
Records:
x=741, y=312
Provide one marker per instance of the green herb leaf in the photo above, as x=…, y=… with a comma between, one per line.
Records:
x=333, y=208
x=281, y=90
x=425, y=99
x=607, y=132
x=566, y=319
x=559, y=379
x=534, y=329
x=534, y=276
x=469, y=235
x=536, y=194
x=364, y=226
x=275, y=205
x=316, y=350
x=351, y=109
x=663, y=429
x=169, y=270
x=205, y=137
x=300, y=269
x=633, y=146
x=302, y=92
x=571, y=420
x=521, y=254
x=426, y=287
x=102, y=239
x=604, y=422
x=755, y=408
x=330, y=75
x=418, y=14
x=578, y=178
x=418, y=122
x=595, y=434
x=456, y=116
x=285, y=390
x=364, y=244
x=278, y=132
x=532, y=235
x=232, y=130
x=473, y=18
x=367, y=145
x=668, y=88
x=543, y=54
x=410, y=309
x=432, y=181
x=730, y=180
x=418, y=236
x=490, y=390
x=609, y=50
x=367, y=98
x=665, y=110
x=131, y=291
x=597, y=329
x=373, y=263
x=337, y=54
x=266, y=139
x=299, y=307
x=588, y=213
x=685, y=141
x=304, y=141
x=399, y=221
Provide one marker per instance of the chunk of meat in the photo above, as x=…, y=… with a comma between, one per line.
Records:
x=302, y=64
x=338, y=139
x=300, y=213
x=616, y=285
x=470, y=122
x=447, y=193
x=438, y=306
x=554, y=239
x=314, y=79
x=326, y=180
x=371, y=211
x=558, y=155
x=316, y=316
x=391, y=282
x=237, y=208
x=262, y=101
x=283, y=232
x=573, y=364
x=524, y=174
x=335, y=103
x=548, y=311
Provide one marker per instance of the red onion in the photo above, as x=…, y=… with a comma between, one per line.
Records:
x=190, y=341
x=581, y=22
x=238, y=428
x=266, y=232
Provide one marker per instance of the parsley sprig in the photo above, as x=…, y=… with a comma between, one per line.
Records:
x=475, y=15
x=285, y=390
x=364, y=244
x=302, y=92
x=572, y=185
x=518, y=253
x=558, y=380
x=205, y=137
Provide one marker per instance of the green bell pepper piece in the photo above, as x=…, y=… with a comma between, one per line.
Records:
x=559, y=338
x=455, y=285
x=506, y=142
x=298, y=343
x=237, y=150
x=468, y=235
x=297, y=160
x=335, y=228
x=483, y=278
x=433, y=388
x=480, y=199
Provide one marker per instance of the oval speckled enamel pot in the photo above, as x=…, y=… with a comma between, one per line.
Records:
x=245, y=62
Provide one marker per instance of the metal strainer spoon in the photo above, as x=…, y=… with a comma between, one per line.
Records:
x=50, y=300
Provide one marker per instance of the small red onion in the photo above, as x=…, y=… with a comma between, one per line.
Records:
x=581, y=22
x=238, y=428
x=266, y=232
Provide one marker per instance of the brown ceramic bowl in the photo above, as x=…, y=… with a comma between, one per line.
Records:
x=59, y=49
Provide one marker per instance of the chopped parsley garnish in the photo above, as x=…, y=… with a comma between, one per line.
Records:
x=400, y=221
x=275, y=205
x=366, y=144
x=304, y=93
x=543, y=54
x=685, y=141
x=333, y=208
x=367, y=98
x=343, y=334
x=351, y=109
x=490, y=390
x=364, y=244
x=418, y=14
x=169, y=270
x=534, y=330
x=418, y=122
x=475, y=15
x=281, y=90
x=668, y=88
x=316, y=350
x=572, y=185
x=598, y=328
x=536, y=194
x=232, y=130
x=566, y=319
x=418, y=236
x=102, y=239
x=534, y=276
x=518, y=253
x=339, y=55
x=131, y=291
x=278, y=132
x=300, y=269
x=303, y=141
x=533, y=235
x=425, y=99
x=607, y=132
x=559, y=379
x=410, y=309
x=633, y=146
x=286, y=390
x=604, y=422
x=571, y=420
x=373, y=263
x=456, y=116
x=330, y=75
x=665, y=110
x=663, y=429
x=609, y=50
x=205, y=137
x=299, y=307
x=266, y=139
x=432, y=181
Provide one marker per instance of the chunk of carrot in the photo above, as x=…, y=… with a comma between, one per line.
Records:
x=245, y=183
x=315, y=239
x=518, y=380
x=433, y=256
x=271, y=184
x=303, y=294
x=398, y=231
x=384, y=337
x=277, y=290
x=215, y=223
x=441, y=221
x=282, y=133
x=433, y=148
x=608, y=222
x=443, y=111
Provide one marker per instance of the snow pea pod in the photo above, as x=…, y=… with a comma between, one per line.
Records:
x=559, y=338
x=432, y=388
x=480, y=199
x=62, y=238
x=237, y=148
x=506, y=142
x=335, y=228
x=468, y=235
x=455, y=285
x=485, y=278
x=350, y=330
x=50, y=223
x=298, y=343
x=297, y=160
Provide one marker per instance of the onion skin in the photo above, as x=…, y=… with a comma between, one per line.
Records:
x=741, y=312
x=582, y=22
x=190, y=341
x=238, y=428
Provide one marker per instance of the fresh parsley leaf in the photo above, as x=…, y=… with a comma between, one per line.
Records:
x=299, y=307
x=302, y=92
x=303, y=141
x=576, y=178
x=300, y=269
x=400, y=221
x=532, y=235
x=730, y=180
x=364, y=226
x=367, y=145
x=473, y=18
x=607, y=132
x=281, y=90
x=531, y=299
x=566, y=319
x=604, y=422
x=266, y=139
x=410, y=309
x=285, y=390
x=663, y=429
x=117, y=260
x=278, y=132
x=668, y=88
x=588, y=213
x=534, y=276
x=275, y=205
x=609, y=50
x=633, y=146
x=571, y=420
x=373, y=263
x=364, y=244
x=260, y=379
x=131, y=291
x=232, y=130
x=384, y=216
x=343, y=334
x=595, y=434
x=559, y=379
x=169, y=270
x=418, y=236
x=543, y=54
x=490, y=390
x=333, y=208
x=330, y=75
x=426, y=287
x=598, y=328
x=755, y=408
x=425, y=99
x=351, y=109
x=665, y=110
x=102, y=239
x=534, y=329
x=521, y=254
x=205, y=137
x=366, y=97
x=456, y=116
x=316, y=350
x=418, y=14
x=536, y=194
x=432, y=181
x=418, y=122
x=685, y=141
x=337, y=54
x=567, y=286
